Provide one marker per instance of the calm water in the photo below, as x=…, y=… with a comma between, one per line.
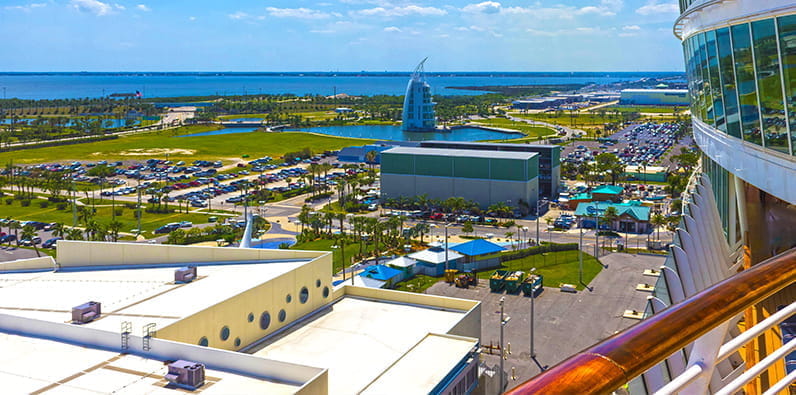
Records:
x=273, y=244
x=77, y=85
x=382, y=132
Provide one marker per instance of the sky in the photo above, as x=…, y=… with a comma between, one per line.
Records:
x=338, y=35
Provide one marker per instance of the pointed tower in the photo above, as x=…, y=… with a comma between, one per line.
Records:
x=418, y=115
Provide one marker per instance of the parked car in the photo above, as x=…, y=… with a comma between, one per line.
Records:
x=50, y=243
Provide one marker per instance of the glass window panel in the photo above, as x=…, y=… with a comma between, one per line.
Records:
x=727, y=75
x=746, y=84
x=787, y=47
x=689, y=67
x=769, y=85
x=715, y=82
x=705, y=95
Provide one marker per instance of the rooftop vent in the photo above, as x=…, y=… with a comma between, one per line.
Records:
x=86, y=312
x=186, y=374
x=185, y=274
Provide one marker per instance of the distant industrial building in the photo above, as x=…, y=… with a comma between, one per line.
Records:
x=418, y=112
x=549, y=159
x=483, y=176
x=654, y=97
x=359, y=154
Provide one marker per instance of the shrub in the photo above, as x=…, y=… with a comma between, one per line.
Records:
x=118, y=211
x=61, y=206
x=9, y=201
x=44, y=204
x=131, y=206
x=25, y=203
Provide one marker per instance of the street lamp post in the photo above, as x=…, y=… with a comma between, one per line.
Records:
x=580, y=254
x=537, y=221
x=533, y=298
x=446, y=249
x=503, y=322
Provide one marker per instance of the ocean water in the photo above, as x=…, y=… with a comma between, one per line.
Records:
x=79, y=85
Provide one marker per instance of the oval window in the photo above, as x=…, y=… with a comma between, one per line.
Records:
x=304, y=295
x=250, y=317
x=203, y=341
x=318, y=283
x=288, y=298
x=225, y=333
x=237, y=342
x=282, y=315
x=265, y=320
x=325, y=292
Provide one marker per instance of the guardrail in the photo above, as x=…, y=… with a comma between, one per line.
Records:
x=626, y=355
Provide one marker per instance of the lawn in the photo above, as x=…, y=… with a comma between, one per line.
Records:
x=642, y=109
x=149, y=221
x=158, y=144
x=528, y=129
x=351, y=249
x=419, y=283
x=556, y=267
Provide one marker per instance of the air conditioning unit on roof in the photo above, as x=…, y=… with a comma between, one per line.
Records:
x=86, y=312
x=186, y=374
x=185, y=274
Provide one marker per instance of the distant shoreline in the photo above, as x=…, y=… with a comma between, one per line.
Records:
x=347, y=73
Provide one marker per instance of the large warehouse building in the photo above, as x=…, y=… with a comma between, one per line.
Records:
x=486, y=177
x=654, y=97
x=549, y=159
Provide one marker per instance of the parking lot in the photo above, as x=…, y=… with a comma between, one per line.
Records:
x=564, y=323
x=650, y=143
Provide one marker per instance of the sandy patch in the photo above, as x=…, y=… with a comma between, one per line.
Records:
x=150, y=152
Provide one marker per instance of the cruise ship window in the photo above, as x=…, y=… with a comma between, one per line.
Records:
x=769, y=85
x=787, y=47
x=704, y=77
x=747, y=84
x=715, y=82
x=727, y=75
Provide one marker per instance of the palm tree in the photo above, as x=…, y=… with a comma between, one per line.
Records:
x=15, y=226
x=657, y=221
x=422, y=229
x=113, y=230
x=74, y=234
x=58, y=230
x=509, y=235
x=28, y=233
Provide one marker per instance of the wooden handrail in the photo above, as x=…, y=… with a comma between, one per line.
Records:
x=615, y=361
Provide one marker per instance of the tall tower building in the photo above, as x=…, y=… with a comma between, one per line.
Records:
x=418, y=114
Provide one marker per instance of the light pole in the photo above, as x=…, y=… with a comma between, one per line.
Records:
x=533, y=297
x=503, y=322
x=446, y=249
x=525, y=235
x=537, y=221
x=580, y=254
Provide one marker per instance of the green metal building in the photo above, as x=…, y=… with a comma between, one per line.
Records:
x=486, y=177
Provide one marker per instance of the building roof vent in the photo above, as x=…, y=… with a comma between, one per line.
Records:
x=185, y=274
x=186, y=374
x=86, y=312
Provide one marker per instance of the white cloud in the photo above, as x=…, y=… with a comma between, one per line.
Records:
x=92, y=6
x=302, y=13
x=238, y=15
x=392, y=29
x=25, y=8
x=191, y=18
x=402, y=11
x=119, y=7
x=486, y=7
x=631, y=28
x=143, y=7
x=652, y=8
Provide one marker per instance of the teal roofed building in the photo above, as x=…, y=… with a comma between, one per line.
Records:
x=633, y=217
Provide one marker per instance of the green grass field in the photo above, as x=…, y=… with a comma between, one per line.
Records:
x=418, y=284
x=556, y=267
x=530, y=130
x=642, y=109
x=158, y=144
x=149, y=222
x=351, y=249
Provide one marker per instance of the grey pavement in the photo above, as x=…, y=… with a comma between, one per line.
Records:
x=565, y=323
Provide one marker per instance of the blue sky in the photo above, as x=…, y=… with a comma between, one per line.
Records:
x=338, y=35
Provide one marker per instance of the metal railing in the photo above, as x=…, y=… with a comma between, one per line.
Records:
x=617, y=360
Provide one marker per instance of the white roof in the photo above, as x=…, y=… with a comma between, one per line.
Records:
x=140, y=296
x=435, y=256
x=416, y=373
x=359, y=340
x=401, y=261
x=361, y=281
x=29, y=364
